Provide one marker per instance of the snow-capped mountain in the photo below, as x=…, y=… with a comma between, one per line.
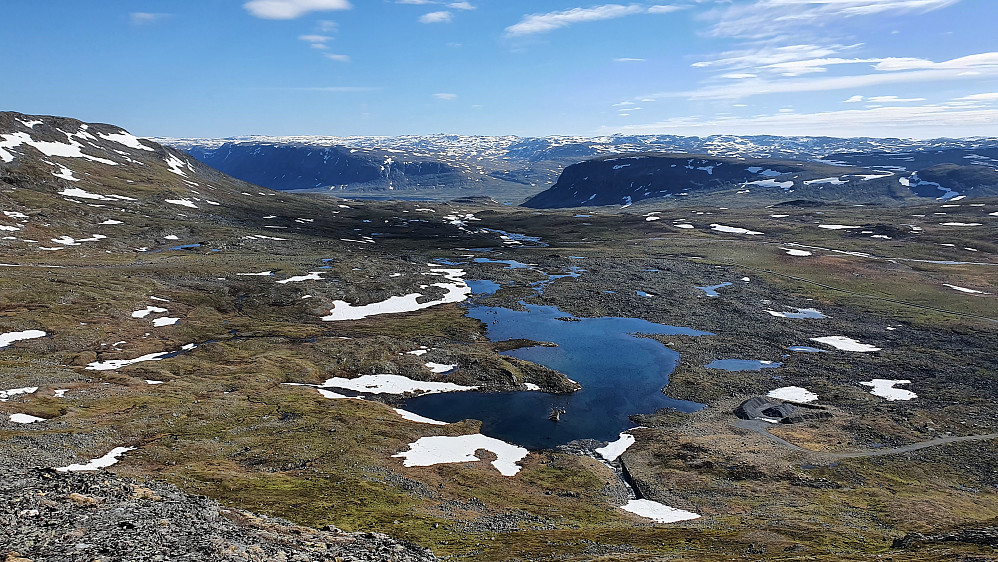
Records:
x=507, y=166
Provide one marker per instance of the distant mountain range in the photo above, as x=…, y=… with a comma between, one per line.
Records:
x=511, y=169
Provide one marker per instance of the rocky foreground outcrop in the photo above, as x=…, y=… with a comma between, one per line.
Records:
x=52, y=516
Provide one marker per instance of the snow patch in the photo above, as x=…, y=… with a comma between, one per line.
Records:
x=96, y=464
x=658, y=512
x=428, y=451
x=845, y=344
x=885, y=389
x=732, y=229
x=417, y=418
x=25, y=418
x=793, y=394
x=393, y=384
x=11, y=337
x=616, y=448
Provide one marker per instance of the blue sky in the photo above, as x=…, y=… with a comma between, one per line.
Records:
x=214, y=68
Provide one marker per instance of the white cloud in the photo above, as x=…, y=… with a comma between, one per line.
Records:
x=892, y=99
x=542, y=23
x=854, y=99
x=663, y=9
x=291, y=9
x=770, y=18
x=890, y=72
x=768, y=55
x=990, y=96
x=143, y=18
x=919, y=121
x=460, y=6
x=446, y=97
x=338, y=58
x=316, y=41
x=416, y=2
x=437, y=17
x=628, y=59
x=327, y=26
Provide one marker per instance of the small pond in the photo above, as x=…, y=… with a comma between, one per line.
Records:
x=620, y=374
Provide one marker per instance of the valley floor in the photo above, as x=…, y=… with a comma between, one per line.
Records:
x=208, y=357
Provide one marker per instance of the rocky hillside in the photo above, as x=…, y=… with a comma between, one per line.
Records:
x=303, y=166
x=49, y=516
x=623, y=180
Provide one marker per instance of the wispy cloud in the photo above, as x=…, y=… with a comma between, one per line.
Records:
x=542, y=23
x=292, y=9
x=918, y=121
x=884, y=71
x=338, y=58
x=145, y=18
x=445, y=97
x=316, y=41
x=989, y=96
x=437, y=17
x=628, y=59
x=452, y=5
x=771, y=18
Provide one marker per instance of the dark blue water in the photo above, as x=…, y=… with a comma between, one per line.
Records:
x=483, y=287
x=620, y=375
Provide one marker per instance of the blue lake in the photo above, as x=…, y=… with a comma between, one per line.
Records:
x=620, y=374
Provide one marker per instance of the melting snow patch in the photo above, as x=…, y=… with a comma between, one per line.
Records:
x=885, y=389
x=175, y=163
x=440, y=367
x=152, y=382
x=773, y=183
x=11, y=337
x=314, y=275
x=845, y=344
x=393, y=384
x=835, y=226
x=531, y=386
x=649, y=219
x=801, y=313
x=833, y=181
x=147, y=311
x=25, y=418
x=616, y=448
x=182, y=202
x=428, y=451
x=793, y=394
x=96, y=464
x=261, y=274
x=60, y=393
x=417, y=352
x=732, y=229
x=165, y=321
x=83, y=194
x=658, y=512
x=125, y=139
x=112, y=221
x=961, y=224
x=799, y=253
x=6, y=395
x=965, y=290
x=684, y=226
x=119, y=363
x=417, y=418
x=457, y=291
